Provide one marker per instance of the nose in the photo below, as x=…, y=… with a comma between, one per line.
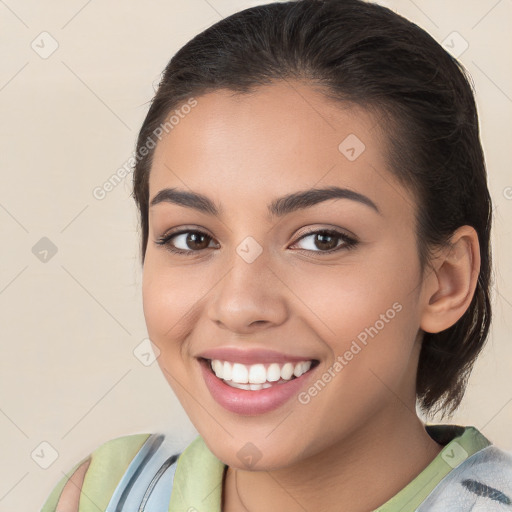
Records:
x=249, y=297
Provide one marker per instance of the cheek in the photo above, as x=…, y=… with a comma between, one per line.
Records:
x=367, y=311
x=167, y=307
x=167, y=301
x=344, y=300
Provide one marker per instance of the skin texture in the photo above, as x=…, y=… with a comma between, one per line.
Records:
x=243, y=152
x=70, y=497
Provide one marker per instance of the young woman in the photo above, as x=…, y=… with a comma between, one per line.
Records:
x=316, y=264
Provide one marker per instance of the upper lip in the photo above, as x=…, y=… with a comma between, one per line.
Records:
x=251, y=356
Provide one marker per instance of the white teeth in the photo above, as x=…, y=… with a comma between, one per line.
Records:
x=227, y=370
x=301, y=368
x=217, y=367
x=273, y=372
x=240, y=373
x=256, y=376
x=252, y=387
x=287, y=371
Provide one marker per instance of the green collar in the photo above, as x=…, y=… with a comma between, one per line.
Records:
x=460, y=443
x=198, y=480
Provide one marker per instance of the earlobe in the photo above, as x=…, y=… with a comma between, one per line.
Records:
x=451, y=285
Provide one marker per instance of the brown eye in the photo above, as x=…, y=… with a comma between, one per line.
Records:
x=197, y=241
x=186, y=242
x=326, y=241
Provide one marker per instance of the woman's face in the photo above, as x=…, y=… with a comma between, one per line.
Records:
x=260, y=284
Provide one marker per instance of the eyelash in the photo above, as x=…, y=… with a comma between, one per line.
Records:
x=350, y=242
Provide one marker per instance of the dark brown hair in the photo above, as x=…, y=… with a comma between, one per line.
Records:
x=365, y=54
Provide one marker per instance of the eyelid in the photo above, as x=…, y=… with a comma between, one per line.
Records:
x=185, y=229
x=164, y=240
x=310, y=230
x=348, y=241
x=326, y=227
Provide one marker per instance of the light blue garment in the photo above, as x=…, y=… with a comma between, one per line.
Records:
x=481, y=483
x=147, y=483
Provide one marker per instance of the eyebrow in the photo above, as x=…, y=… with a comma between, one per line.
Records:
x=278, y=207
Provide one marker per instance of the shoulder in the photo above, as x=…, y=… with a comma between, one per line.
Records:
x=99, y=473
x=482, y=480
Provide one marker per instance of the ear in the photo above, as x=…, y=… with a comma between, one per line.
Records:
x=451, y=282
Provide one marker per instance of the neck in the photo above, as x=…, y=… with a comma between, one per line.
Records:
x=389, y=453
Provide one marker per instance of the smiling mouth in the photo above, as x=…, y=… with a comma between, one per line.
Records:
x=256, y=377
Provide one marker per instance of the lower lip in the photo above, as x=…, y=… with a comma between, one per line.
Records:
x=248, y=402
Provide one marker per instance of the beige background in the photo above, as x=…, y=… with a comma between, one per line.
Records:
x=69, y=326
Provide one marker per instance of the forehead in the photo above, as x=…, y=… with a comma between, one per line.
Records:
x=279, y=138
